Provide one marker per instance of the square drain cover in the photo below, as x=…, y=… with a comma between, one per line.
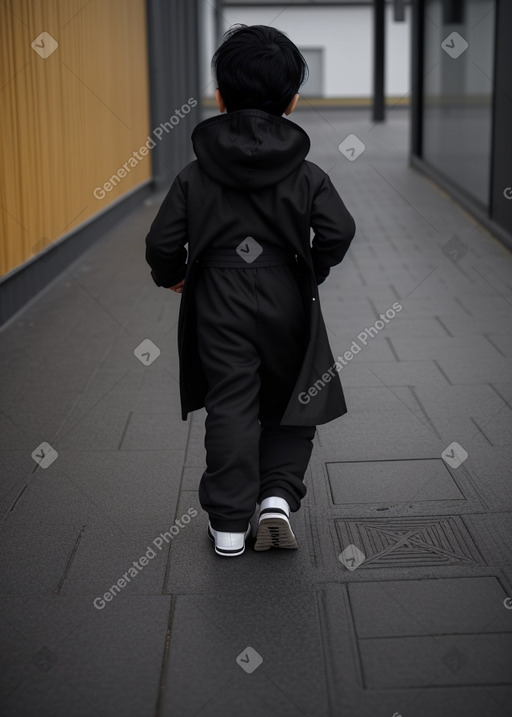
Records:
x=411, y=542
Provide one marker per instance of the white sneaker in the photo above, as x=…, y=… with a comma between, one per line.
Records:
x=274, y=529
x=228, y=544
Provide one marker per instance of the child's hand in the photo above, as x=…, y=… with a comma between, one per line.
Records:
x=178, y=288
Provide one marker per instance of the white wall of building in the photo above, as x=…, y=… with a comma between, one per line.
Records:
x=345, y=33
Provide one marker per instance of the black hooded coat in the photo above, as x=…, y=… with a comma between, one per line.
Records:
x=251, y=179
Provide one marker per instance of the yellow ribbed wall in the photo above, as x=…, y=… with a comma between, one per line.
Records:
x=70, y=121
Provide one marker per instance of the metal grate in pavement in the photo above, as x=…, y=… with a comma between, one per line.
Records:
x=409, y=542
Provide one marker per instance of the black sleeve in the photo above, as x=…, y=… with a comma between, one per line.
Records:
x=165, y=243
x=333, y=227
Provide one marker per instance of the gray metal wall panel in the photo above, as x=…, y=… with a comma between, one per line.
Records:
x=501, y=196
x=173, y=37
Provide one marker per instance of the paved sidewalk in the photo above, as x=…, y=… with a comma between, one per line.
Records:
x=413, y=621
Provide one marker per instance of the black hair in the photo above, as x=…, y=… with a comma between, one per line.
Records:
x=258, y=67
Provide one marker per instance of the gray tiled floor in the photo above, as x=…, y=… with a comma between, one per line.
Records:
x=419, y=629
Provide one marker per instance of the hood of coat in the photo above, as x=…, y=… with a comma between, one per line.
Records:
x=249, y=149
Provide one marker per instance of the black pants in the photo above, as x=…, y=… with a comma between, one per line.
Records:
x=251, y=335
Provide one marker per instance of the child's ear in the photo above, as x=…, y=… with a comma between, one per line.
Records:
x=292, y=105
x=220, y=102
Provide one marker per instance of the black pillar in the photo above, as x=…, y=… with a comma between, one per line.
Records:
x=417, y=72
x=379, y=31
x=399, y=11
x=219, y=24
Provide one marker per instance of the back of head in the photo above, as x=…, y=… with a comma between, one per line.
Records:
x=258, y=67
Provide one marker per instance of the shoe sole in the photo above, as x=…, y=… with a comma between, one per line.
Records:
x=225, y=553
x=275, y=532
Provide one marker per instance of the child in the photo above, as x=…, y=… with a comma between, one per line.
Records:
x=252, y=343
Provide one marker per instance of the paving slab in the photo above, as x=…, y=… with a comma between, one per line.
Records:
x=39, y=542
x=392, y=373
x=489, y=468
x=437, y=660
x=153, y=431
x=446, y=606
x=259, y=657
x=134, y=487
x=494, y=535
x=464, y=370
x=377, y=399
x=378, y=481
x=461, y=401
x=366, y=436
x=80, y=660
